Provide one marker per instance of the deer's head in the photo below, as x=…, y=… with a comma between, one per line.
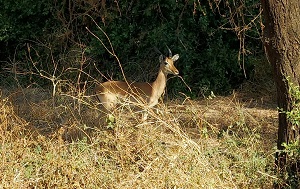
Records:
x=167, y=63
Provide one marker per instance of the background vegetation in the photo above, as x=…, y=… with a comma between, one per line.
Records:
x=218, y=43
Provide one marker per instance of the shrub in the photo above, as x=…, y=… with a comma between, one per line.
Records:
x=209, y=37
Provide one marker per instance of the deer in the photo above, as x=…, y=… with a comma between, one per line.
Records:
x=109, y=93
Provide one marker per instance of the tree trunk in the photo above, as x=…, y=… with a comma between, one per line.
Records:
x=282, y=45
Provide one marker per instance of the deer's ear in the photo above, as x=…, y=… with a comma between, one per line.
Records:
x=175, y=57
x=161, y=58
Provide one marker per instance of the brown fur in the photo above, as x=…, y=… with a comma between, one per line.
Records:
x=146, y=93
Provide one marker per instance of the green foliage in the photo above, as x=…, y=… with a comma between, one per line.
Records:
x=20, y=20
x=24, y=19
x=209, y=39
x=208, y=55
x=292, y=148
x=111, y=121
x=294, y=114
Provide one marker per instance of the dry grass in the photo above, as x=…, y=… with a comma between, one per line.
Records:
x=224, y=142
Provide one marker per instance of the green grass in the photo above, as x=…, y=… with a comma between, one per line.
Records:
x=218, y=143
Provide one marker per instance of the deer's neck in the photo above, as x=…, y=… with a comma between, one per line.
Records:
x=159, y=85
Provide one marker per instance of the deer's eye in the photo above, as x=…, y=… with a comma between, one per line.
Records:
x=166, y=63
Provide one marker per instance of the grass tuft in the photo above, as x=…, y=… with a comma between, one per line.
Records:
x=61, y=143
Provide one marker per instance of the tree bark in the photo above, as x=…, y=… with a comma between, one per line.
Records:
x=282, y=44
